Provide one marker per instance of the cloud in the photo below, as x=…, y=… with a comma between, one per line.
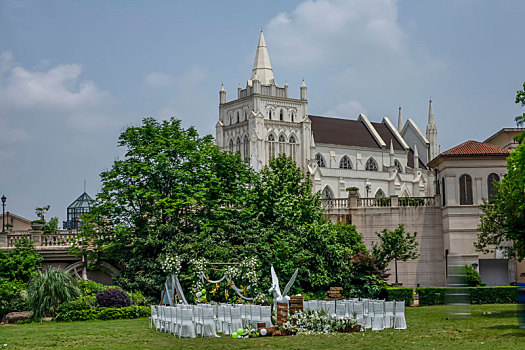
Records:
x=349, y=109
x=158, y=80
x=11, y=135
x=57, y=91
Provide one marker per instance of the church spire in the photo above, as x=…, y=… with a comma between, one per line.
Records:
x=430, y=113
x=399, y=120
x=432, y=133
x=262, y=70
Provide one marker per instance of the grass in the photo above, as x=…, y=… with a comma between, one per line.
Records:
x=428, y=328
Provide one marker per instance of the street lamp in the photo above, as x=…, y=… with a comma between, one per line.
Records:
x=3, y=213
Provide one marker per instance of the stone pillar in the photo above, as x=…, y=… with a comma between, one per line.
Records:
x=394, y=201
x=36, y=237
x=3, y=240
x=352, y=201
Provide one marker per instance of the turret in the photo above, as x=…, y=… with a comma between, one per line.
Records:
x=431, y=133
x=222, y=95
x=303, y=91
x=416, y=157
x=392, y=154
x=399, y=120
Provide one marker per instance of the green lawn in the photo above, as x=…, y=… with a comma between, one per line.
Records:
x=428, y=328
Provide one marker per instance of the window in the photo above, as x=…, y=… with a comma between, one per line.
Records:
x=490, y=184
x=238, y=145
x=231, y=146
x=371, y=164
x=345, y=163
x=327, y=193
x=320, y=160
x=380, y=194
x=397, y=164
x=270, y=114
x=293, y=116
x=281, y=115
x=271, y=146
x=245, y=116
x=465, y=190
x=246, y=146
x=238, y=118
x=282, y=141
x=293, y=145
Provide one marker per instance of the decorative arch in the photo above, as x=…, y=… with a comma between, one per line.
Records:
x=238, y=117
x=270, y=114
x=465, y=190
x=230, y=145
x=320, y=160
x=238, y=144
x=345, y=163
x=380, y=194
x=493, y=177
x=398, y=166
x=371, y=165
x=327, y=193
x=271, y=146
x=292, y=116
x=281, y=115
x=405, y=193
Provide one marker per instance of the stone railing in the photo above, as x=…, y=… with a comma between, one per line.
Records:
x=41, y=240
x=393, y=201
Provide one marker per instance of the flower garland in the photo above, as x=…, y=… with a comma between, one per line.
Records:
x=317, y=322
x=171, y=264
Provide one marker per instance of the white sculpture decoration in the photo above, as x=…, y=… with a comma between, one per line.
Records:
x=276, y=290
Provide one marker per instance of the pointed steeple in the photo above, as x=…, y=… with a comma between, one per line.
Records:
x=399, y=120
x=222, y=95
x=303, y=90
x=391, y=147
x=262, y=70
x=430, y=113
x=416, y=157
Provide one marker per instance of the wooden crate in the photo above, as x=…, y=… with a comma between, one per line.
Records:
x=281, y=314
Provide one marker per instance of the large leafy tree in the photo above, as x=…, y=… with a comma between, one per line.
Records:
x=395, y=246
x=520, y=119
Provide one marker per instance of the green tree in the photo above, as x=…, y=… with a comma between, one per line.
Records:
x=395, y=246
x=502, y=224
x=21, y=262
x=520, y=119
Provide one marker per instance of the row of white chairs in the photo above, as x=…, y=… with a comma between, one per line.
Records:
x=374, y=314
x=207, y=320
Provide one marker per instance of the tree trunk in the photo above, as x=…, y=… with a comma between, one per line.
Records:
x=395, y=261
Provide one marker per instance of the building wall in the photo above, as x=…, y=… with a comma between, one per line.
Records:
x=429, y=268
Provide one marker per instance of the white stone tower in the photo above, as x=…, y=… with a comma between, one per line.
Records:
x=431, y=134
x=263, y=121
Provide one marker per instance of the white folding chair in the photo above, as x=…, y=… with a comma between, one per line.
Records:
x=255, y=313
x=221, y=317
x=266, y=315
x=378, y=320
x=208, y=323
x=154, y=318
x=389, y=314
x=360, y=314
x=235, y=319
x=187, y=327
x=340, y=309
x=399, y=315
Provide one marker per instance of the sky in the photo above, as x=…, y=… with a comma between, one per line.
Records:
x=74, y=74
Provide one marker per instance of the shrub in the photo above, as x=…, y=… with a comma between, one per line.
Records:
x=104, y=313
x=113, y=298
x=20, y=263
x=397, y=294
x=92, y=287
x=139, y=299
x=47, y=290
x=11, y=296
x=478, y=295
x=85, y=302
x=473, y=277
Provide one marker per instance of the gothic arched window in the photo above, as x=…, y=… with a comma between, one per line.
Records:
x=345, y=163
x=282, y=141
x=490, y=184
x=380, y=194
x=246, y=147
x=270, y=114
x=238, y=145
x=271, y=146
x=245, y=116
x=397, y=164
x=281, y=115
x=465, y=190
x=230, y=145
x=293, y=145
x=238, y=118
x=371, y=164
x=327, y=193
x=293, y=116
x=320, y=160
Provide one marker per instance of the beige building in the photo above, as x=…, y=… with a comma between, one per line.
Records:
x=14, y=222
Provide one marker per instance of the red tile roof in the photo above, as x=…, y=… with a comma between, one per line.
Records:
x=475, y=148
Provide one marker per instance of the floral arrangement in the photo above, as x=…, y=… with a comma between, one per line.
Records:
x=171, y=264
x=317, y=322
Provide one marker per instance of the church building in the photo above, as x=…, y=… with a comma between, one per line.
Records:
x=378, y=158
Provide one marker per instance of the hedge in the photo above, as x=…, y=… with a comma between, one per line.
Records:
x=104, y=313
x=398, y=294
x=478, y=295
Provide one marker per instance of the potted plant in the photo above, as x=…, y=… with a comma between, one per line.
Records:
x=352, y=191
x=37, y=225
